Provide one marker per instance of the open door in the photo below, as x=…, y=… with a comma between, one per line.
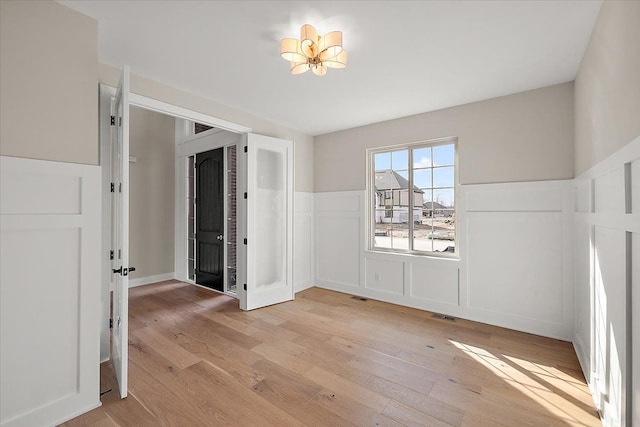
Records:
x=120, y=230
x=268, y=248
x=210, y=219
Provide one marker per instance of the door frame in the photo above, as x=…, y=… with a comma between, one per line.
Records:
x=106, y=95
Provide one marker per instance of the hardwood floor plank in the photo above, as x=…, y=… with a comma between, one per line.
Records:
x=356, y=392
x=220, y=397
x=167, y=348
x=408, y=416
x=341, y=404
x=148, y=358
x=235, y=360
x=283, y=357
x=327, y=359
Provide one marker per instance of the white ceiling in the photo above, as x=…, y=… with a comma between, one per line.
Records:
x=405, y=57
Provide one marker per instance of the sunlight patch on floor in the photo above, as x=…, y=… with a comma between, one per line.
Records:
x=545, y=385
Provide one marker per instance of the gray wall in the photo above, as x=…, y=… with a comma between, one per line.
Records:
x=522, y=137
x=48, y=82
x=607, y=87
x=152, y=194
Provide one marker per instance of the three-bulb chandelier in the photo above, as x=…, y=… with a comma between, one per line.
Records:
x=314, y=52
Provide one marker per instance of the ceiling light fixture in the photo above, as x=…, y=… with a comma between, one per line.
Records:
x=314, y=52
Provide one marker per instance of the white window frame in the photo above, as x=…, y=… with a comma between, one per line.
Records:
x=370, y=196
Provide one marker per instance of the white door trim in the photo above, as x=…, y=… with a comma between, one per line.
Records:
x=158, y=106
x=172, y=110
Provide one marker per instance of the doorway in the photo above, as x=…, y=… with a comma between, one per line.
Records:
x=207, y=210
x=212, y=218
x=209, y=220
x=271, y=197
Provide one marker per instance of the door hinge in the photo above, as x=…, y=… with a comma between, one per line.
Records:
x=245, y=194
x=110, y=323
x=112, y=187
x=246, y=149
x=113, y=120
x=120, y=121
x=245, y=286
x=111, y=254
x=245, y=241
x=120, y=188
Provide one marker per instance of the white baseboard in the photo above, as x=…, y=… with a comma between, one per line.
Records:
x=583, y=357
x=151, y=279
x=302, y=286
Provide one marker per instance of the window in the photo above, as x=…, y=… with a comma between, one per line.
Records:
x=200, y=127
x=412, y=200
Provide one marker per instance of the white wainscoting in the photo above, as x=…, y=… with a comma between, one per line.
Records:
x=516, y=242
x=303, y=243
x=339, y=240
x=50, y=293
x=607, y=270
x=515, y=266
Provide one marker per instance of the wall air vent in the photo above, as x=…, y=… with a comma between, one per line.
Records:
x=443, y=317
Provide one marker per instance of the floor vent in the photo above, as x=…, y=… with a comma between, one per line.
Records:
x=443, y=317
x=360, y=298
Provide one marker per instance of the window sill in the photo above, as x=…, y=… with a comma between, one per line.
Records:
x=419, y=255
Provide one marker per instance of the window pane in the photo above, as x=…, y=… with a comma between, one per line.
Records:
x=443, y=198
x=192, y=275
x=400, y=235
x=443, y=155
x=422, y=178
x=190, y=186
x=191, y=234
x=427, y=197
x=190, y=165
x=417, y=209
x=443, y=177
x=422, y=158
x=191, y=245
x=190, y=208
x=382, y=229
x=432, y=222
x=444, y=231
x=421, y=241
x=397, y=198
x=382, y=161
x=200, y=127
x=400, y=160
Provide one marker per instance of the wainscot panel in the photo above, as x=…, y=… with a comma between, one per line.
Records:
x=50, y=275
x=607, y=267
x=514, y=268
x=303, y=244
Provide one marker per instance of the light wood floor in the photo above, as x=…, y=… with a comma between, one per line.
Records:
x=327, y=359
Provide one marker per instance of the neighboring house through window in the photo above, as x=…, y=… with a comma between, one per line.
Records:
x=412, y=200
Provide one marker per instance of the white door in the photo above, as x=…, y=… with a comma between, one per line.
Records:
x=120, y=231
x=268, y=272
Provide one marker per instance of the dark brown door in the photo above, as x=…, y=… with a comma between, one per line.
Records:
x=210, y=219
